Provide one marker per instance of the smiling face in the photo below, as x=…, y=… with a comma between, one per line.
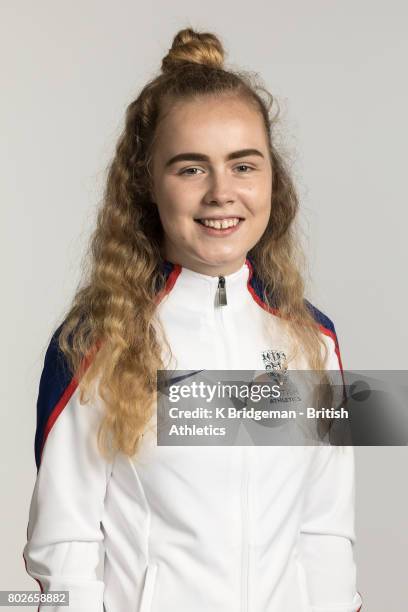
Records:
x=211, y=161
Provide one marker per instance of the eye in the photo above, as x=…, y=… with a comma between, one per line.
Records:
x=186, y=171
x=245, y=166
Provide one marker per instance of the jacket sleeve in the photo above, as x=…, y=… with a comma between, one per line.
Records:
x=327, y=535
x=64, y=531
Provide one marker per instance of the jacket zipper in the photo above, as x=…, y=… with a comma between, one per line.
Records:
x=221, y=300
x=221, y=295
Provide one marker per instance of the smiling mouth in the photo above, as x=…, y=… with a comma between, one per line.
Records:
x=220, y=224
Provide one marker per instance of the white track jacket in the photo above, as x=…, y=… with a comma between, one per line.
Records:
x=191, y=528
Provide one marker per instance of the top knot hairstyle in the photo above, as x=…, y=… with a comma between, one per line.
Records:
x=111, y=317
x=194, y=47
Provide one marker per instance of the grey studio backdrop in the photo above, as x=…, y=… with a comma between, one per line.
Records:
x=68, y=71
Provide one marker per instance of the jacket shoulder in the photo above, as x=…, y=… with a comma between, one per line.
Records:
x=55, y=381
x=321, y=318
x=327, y=328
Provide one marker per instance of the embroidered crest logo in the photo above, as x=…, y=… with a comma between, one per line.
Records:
x=276, y=366
x=273, y=360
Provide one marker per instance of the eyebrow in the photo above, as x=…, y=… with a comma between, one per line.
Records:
x=202, y=157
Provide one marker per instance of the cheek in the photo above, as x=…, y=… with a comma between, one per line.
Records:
x=176, y=203
x=261, y=208
x=258, y=197
x=266, y=201
x=171, y=213
x=176, y=223
x=261, y=216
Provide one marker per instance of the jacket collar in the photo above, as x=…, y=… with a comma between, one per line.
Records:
x=198, y=292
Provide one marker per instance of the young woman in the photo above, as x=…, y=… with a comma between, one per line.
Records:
x=195, y=266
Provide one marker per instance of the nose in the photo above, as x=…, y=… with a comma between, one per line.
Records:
x=220, y=189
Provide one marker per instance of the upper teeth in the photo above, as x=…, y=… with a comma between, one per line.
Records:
x=220, y=223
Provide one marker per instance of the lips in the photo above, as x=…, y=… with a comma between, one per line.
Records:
x=198, y=219
x=206, y=220
x=220, y=223
x=220, y=231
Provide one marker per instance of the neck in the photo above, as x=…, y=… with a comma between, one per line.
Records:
x=205, y=269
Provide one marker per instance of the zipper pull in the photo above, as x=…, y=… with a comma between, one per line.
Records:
x=221, y=292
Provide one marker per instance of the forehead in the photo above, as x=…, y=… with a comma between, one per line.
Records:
x=212, y=122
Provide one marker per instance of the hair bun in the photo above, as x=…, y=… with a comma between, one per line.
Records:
x=195, y=47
